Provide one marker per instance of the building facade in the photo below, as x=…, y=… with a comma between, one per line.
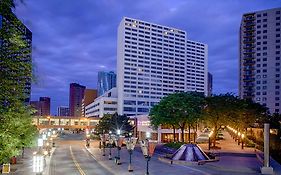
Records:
x=106, y=81
x=210, y=84
x=42, y=107
x=89, y=96
x=260, y=58
x=154, y=61
x=76, y=94
x=105, y=104
x=196, y=67
x=63, y=111
x=21, y=79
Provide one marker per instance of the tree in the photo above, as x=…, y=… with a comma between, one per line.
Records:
x=178, y=110
x=217, y=111
x=16, y=129
x=113, y=122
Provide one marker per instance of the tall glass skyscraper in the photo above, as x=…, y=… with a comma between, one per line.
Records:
x=106, y=81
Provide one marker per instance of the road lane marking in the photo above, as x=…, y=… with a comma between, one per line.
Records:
x=76, y=163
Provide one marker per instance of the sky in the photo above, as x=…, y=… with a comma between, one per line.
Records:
x=74, y=39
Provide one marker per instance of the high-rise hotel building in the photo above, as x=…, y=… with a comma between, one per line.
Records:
x=260, y=58
x=154, y=61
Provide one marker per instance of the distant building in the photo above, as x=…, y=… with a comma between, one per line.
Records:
x=89, y=96
x=106, y=81
x=210, y=84
x=22, y=56
x=260, y=63
x=42, y=106
x=76, y=94
x=63, y=111
x=105, y=104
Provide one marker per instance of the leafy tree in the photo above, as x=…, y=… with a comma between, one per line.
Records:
x=178, y=110
x=114, y=122
x=16, y=129
x=246, y=113
x=163, y=114
x=217, y=111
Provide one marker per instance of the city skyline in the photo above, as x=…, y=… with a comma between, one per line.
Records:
x=97, y=40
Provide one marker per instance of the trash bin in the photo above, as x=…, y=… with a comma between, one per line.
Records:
x=13, y=160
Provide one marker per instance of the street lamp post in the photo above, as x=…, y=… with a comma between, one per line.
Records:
x=118, y=142
x=148, y=147
x=102, y=138
x=110, y=140
x=130, y=143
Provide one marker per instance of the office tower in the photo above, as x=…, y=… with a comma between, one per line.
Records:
x=76, y=94
x=259, y=78
x=210, y=84
x=196, y=67
x=104, y=104
x=106, y=81
x=42, y=106
x=154, y=61
x=89, y=96
x=63, y=111
x=19, y=78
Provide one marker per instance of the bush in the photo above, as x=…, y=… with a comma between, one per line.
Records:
x=175, y=145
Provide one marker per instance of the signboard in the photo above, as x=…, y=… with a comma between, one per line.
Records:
x=6, y=168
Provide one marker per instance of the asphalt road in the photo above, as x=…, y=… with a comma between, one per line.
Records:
x=71, y=158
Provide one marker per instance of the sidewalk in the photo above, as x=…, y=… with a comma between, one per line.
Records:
x=156, y=167
x=232, y=155
x=24, y=166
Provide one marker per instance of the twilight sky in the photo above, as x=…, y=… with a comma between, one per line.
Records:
x=74, y=39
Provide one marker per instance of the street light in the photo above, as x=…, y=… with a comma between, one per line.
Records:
x=103, y=141
x=118, y=142
x=148, y=147
x=110, y=140
x=130, y=144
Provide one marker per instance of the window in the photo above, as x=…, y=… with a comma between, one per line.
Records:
x=264, y=20
x=264, y=14
x=129, y=109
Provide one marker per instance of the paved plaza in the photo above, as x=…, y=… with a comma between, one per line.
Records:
x=71, y=156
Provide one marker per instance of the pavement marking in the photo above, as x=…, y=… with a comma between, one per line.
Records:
x=76, y=163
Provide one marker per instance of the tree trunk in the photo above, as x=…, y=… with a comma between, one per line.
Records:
x=182, y=134
x=189, y=134
x=22, y=154
x=214, y=136
x=194, y=133
x=174, y=133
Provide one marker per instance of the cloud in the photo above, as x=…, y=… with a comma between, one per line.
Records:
x=73, y=40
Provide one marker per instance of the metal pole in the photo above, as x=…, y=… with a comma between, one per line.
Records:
x=147, y=173
x=266, y=145
x=103, y=149
x=109, y=156
x=130, y=161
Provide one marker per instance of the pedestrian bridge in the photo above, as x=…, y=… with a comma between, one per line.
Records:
x=65, y=122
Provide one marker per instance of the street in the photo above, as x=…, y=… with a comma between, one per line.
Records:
x=71, y=157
